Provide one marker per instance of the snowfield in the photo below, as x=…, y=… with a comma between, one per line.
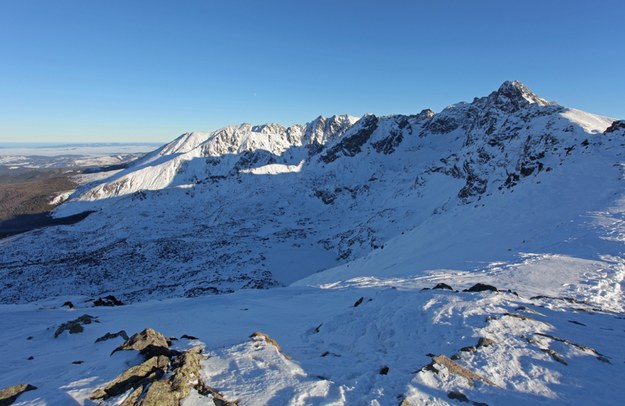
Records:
x=475, y=255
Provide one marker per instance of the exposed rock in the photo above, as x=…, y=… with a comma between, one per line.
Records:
x=188, y=337
x=140, y=341
x=616, y=125
x=359, y=302
x=586, y=348
x=457, y=369
x=442, y=286
x=388, y=145
x=384, y=370
x=217, y=398
x=258, y=335
x=109, y=336
x=9, y=395
x=132, y=399
x=139, y=375
x=160, y=394
x=485, y=342
x=481, y=287
x=68, y=304
x=75, y=326
x=352, y=143
x=156, y=350
x=459, y=396
x=108, y=301
x=186, y=371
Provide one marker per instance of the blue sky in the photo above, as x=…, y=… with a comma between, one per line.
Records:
x=81, y=71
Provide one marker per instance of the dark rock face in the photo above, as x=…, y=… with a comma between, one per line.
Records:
x=68, y=304
x=359, y=302
x=459, y=396
x=388, y=145
x=109, y=336
x=481, y=287
x=442, y=125
x=513, y=96
x=616, y=126
x=9, y=395
x=442, y=286
x=352, y=143
x=75, y=326
x=108, y=301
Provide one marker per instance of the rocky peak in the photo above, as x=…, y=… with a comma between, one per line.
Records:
x=425, y=114
x=513, y=96
x=616, y=126
x=322, y=129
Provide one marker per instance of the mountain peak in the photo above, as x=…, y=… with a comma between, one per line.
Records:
x=511, y=96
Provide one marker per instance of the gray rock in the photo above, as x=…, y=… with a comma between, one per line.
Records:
x=140, y=341
x=75, y=326
x=110, y=336
x=134, y=377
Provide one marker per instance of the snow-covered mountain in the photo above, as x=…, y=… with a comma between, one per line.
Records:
x=361, y=218
x=261, y=206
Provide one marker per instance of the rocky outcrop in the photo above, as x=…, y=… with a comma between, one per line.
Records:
x=108, y=301
x=352, y=143
x=618, y=125
x=75, y=326
x=148, y=338
x=135, y=377
x=164, y=379
x=110, y=336
x=9, y=395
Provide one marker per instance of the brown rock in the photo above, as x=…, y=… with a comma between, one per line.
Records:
x=136, y=376
x=9, y=395
x=140, y=341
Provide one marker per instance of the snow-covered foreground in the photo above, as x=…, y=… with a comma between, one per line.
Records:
x=562, y=348
x=358, y=221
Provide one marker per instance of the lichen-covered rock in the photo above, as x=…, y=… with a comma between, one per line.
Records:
x=186, y=371
x=146, y=338
x=139, y=375
x=9, y=395
x=160, y=394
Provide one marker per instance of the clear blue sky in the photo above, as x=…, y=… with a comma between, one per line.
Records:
x=87, y=70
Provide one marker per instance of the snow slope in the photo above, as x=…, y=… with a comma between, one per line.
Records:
x=262, y=206
x=361, y=219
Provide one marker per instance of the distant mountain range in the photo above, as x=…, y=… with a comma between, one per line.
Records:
x=259, y=206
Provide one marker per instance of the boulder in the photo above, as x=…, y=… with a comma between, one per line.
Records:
x=140, y=341
x=9, y=395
